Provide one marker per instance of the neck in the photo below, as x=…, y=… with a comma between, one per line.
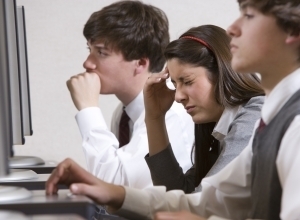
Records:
x=127, y=96
x=269, y=79
x=131, y=91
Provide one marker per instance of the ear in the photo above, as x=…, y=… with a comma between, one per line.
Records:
x=141, y=66
x=293, y=39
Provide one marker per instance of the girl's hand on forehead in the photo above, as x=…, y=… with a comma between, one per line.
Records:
x=158, y=77
x=158, y=97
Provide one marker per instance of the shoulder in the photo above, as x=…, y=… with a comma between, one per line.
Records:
x=256, y=101
x=253, y=106
x=250, y=111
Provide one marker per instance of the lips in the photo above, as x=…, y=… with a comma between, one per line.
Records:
x=189, y=109
x=233, y=48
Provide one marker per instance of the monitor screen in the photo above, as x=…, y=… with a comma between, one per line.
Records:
x=5, y=107
x=14, y=75
x=24, y=74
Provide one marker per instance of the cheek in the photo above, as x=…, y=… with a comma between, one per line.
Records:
x=204, y=93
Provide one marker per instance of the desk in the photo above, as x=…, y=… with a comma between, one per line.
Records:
x=63, y=203
x=34, y=184
x=20, y=216
x=40, y=204
x=46, y=168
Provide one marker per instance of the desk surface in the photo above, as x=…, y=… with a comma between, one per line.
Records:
x=34, y=184
x=20, y=216
x=46, y=168
x=63, y=203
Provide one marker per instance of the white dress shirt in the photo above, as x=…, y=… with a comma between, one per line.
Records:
x=227, y=194
x=126, y=165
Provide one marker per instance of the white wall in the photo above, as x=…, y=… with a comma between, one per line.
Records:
x=57, y=49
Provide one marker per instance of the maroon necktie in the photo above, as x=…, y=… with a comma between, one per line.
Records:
x=124, y=129
x=261, y=125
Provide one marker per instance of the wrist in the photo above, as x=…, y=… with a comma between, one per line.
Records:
x=154, y=118
x=117, y=197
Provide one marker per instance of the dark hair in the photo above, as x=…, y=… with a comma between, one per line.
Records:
x=135, y=29
x=230, y=88
x=286, y=12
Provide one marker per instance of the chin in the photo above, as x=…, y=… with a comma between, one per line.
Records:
x=239, y=67
x=201, y=120
x=104, y=91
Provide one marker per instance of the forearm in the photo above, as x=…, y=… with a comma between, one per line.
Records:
x=157, y=134
x=166, y=171
x=117, y=166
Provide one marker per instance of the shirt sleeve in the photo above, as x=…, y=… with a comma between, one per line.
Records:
x=166, y=171
x=104, y=157
x=180, y=128
x=239, y=133
x=288, y=164
x=226, y=194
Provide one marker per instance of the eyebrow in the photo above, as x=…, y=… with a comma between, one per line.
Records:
x=100, y=47
x=181, y=79
x=97, y=46
x=245, y=5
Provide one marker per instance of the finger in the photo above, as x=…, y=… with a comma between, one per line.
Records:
x=56, y=177
x=90, y=191
x=166, y=216
x=50, y=184
x=69, y=82
x=163, y=75
x=157, y=78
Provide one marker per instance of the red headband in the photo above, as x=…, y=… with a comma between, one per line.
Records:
x=199, y=40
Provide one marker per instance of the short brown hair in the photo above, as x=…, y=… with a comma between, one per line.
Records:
x=286, y=12
x=135, y=29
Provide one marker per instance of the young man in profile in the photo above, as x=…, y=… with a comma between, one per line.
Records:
x=126, y=42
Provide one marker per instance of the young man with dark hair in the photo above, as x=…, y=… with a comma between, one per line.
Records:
x=263, y=181
x=126, y=42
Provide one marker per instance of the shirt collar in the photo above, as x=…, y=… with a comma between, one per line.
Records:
x=135, y=108
x=227, y=117
x=281, y=93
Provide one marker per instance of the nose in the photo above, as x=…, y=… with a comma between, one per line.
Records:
x=234, y=30
x=180, y=96
x=89, y=64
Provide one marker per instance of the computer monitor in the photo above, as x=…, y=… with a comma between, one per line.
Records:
x=24, y=73
x=14, y=88
x=5, y=110
x=24, y=101
x=14, y=74
x=7, y=193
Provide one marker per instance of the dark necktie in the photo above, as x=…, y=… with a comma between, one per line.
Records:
x=261, y=125
x=124, y=129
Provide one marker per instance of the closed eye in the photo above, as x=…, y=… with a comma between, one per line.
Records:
x=188, y=83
